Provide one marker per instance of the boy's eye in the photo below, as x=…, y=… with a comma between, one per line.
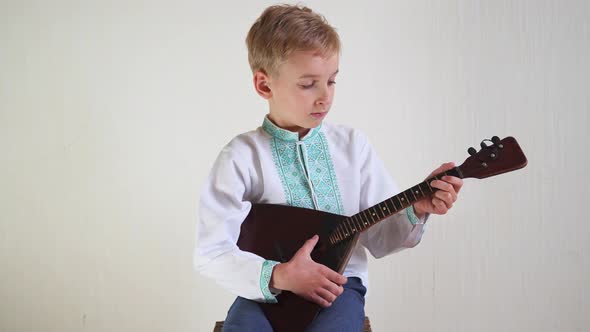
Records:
x=309, y=86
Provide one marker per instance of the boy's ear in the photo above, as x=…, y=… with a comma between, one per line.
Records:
x=261, y=84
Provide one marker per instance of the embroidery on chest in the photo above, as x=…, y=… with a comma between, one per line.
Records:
x=296, y=163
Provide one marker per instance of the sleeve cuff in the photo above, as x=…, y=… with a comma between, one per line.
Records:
x=414, y=220
x=265, y=274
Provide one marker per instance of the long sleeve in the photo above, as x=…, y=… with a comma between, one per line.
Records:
x=222, y=210
x=401, y=230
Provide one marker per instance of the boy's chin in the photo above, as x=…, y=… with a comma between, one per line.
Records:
x=313, y=124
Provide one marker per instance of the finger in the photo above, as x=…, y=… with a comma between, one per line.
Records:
x=333, y=288
x=308, y=246
x=320, y=300
x=445, y=197
x=442, y=168
x=455, y=181
x=440, y=206
x=333, y=276
x=444, y=187
x=447, y=193
x=326, y=295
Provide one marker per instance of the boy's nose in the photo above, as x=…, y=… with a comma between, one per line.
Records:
x=323, y=98
x=320, y=102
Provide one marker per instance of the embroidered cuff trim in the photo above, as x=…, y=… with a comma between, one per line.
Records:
x=412, y=216
x=265, y=275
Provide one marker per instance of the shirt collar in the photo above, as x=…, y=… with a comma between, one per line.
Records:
x=284, y=134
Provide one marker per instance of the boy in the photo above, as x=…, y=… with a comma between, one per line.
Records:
x=297, y=159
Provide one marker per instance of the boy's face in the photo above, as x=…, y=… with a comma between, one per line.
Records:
x=301, y=94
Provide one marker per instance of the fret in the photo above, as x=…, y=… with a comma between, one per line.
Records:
x=371, y=218
x=384, y=210
x=374, y=214
x=416, y=192
x=413, y=196
x=420, y=187
x=390, y=200
x=378, y=212
x=357, y=226
x=356, y=219
x=377, y=209
x=351, y=226
x=364, y=215
x=339, y=232
x=361, y=226
x=366, y=223
x=361, y=215
x=354, y=228
x=399, y=205
x=346, y=228
x=401, y=200
x=404, y=193
x=426, y=188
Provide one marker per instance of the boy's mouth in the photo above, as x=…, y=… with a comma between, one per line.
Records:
x=319, y=115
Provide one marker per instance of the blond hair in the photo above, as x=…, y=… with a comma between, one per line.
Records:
x=283, y=29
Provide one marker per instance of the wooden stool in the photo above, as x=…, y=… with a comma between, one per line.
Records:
x=366, y=327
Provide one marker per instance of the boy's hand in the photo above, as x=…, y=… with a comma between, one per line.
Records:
x=308, y=279
x=443, y=199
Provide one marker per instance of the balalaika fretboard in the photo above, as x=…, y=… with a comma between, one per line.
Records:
x=378, y=212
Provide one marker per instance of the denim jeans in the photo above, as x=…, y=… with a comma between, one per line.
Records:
x=347, y=313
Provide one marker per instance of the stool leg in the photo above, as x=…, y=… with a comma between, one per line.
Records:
x=218, y=326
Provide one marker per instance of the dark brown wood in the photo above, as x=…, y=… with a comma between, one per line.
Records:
x=276, y=232
x=366, y=328
x=495, y=159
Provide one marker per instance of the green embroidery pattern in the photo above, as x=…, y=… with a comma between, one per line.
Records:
x=320, y=168
x=265, y=275
x=292, y=176
x=412, y=216
x=329, y=185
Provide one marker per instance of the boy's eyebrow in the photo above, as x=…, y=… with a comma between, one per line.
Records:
x=313, y=75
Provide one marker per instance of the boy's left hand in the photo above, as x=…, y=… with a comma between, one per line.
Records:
x=444, y=198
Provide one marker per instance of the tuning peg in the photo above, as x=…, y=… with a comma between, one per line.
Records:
x=496, y=139
x=483, y=144
x=471, y=151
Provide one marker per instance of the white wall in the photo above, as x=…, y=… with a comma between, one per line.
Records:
x=111, y=114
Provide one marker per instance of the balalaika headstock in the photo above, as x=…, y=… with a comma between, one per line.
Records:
x=499, y=157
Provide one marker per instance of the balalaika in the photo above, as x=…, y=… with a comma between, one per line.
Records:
x=265, y=234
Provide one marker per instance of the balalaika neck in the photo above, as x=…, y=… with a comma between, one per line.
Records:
x=363, y=220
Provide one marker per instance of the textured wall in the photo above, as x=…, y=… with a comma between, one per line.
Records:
x=111, y=114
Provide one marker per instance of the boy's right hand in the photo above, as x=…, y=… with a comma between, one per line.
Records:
x=308, y=279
